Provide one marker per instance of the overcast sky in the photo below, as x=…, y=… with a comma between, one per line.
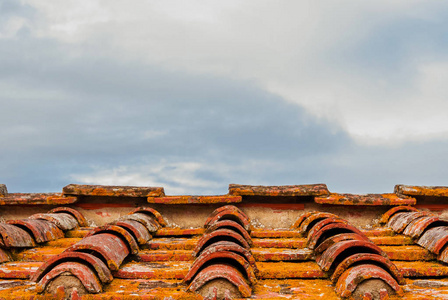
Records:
x=194, y=95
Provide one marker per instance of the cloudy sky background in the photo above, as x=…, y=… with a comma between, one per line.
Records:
x=194, y=95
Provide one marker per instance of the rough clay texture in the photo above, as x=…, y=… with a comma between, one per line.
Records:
x=69, y=282
x=373, y=286
x=369, y=199
x=221, y=286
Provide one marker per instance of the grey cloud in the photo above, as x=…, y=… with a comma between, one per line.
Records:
x=378, y=169
x=10, y=8
x=71, y=114
x=390, y=45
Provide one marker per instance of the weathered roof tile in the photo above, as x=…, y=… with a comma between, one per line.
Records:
x=279, y=190
x=368, y=199
x=36, y=199
x=195, y=199
x=112, y=191
x=410, y=190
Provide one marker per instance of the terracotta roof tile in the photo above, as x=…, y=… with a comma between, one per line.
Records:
x=153, y=270
x=387, y=215
x=80, y=271
x=121, y=232
x=151, y=213
x=398, y=222
x=353, y=277
x=416, y=227
x=419, y=269
x=112, y=191
x=149, y=255
x=40, y=230
x=437, y=191
x=36, y=199
x=195, y=199
x=62, y=220
x=282, y=190
x=369, y=199
x=18, y=270
x=73, y=212
x=15, y=237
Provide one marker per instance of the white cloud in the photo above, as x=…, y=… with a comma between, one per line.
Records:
x=291, y=48
x=67, y=20
x=183, y=177
x=176, y=178
x=12, y=26
x=417, y=115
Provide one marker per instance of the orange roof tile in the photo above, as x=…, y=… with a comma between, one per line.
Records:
x=369, y=199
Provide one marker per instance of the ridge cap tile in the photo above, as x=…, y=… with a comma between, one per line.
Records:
x=195, y=199
x=422, y=190
x=37, y=199
x=318, y=189
x=113, y=190
x=365, y=199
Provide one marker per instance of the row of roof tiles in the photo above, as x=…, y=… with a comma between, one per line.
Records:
x=350, y=257
x=403, y=195
x=228, y=258
x=137, y=257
